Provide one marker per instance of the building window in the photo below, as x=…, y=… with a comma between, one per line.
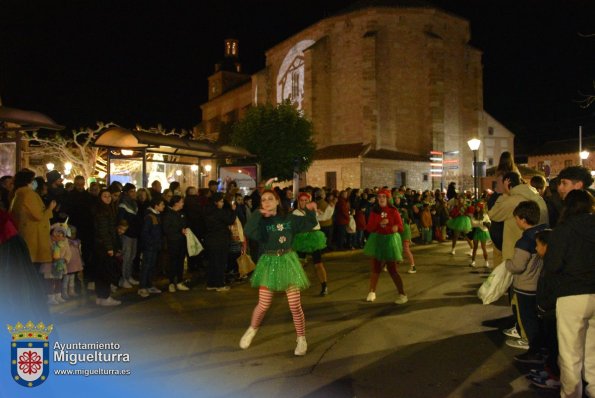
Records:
x=490, y=130
x=490, y=161
x=400, y=178
x=567, y=163
x=331, y=179
x=426, y=177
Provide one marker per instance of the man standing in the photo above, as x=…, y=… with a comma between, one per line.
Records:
x=128, y=210
x=574, y=177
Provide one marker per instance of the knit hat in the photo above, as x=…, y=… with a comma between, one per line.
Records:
x=384, y=192
x=53, y=176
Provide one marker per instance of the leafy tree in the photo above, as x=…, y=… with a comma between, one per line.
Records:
x=279, y=136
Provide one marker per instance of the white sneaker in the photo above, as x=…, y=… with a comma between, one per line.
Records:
x=59, y=298
x=113, y=287
x=452, y=252
x=302, y=346
x=98, y=301
x=518, y=343
x=91, y=286
x=125, y=284
x=371, y=296
x=512, y=332
x=143, y=293
x=182, y=287
x=402, y=299
x=246, y=339
x=472, y=264
x=132, y=281
x=110, y=302
x=412, y=270
x=172, y=288
x=470, y=253
x=487, y=264
x=154, y=290
x=52, y=300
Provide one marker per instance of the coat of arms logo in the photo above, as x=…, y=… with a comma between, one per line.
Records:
x=30, y=353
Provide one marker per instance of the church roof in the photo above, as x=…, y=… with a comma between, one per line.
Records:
x=346, y=151
x=363, y=4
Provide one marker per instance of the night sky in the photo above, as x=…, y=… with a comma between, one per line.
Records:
x=147, y=62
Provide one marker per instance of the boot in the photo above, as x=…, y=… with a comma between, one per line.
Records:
x=71, y=290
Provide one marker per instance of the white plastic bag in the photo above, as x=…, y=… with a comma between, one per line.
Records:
x=193, y=244
x=496, y=285
x=351, y=227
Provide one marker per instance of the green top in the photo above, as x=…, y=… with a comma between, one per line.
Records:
x=276, y=233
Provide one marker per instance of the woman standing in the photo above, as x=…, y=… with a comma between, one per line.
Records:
x=174, y=231
x=384, y=244
x=278, y=268
x=219, y=216
x=32, y=217
x=311, y=242
x=568, y=265
x=106, y=246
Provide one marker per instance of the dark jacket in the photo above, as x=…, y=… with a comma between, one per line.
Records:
x=194, y=214
x=569, y=263
x=128, y=210
x=151, y=231
x=217, y=222
x=173, y=224
x=496, y=227
x=106, y=238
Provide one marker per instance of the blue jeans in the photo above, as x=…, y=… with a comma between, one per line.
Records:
x=128, y=253
x=148, y=267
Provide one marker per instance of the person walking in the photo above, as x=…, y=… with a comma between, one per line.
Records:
x=278, y=268
x=384, y=244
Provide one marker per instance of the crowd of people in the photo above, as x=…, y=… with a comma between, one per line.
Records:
x=103, y=238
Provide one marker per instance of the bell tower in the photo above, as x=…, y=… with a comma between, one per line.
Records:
x=228, y=72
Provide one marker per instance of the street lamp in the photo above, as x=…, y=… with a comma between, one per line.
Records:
x=584, y=156
x=50, y=166
x=474, y=144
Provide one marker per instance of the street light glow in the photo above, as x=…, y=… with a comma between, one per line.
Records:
x=208, y=168
x=584, y=155
x=194, y=167
x=50, y=166
x=474, y=144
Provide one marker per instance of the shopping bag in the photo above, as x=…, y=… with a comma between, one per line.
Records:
x=414, y=231
x=245, y=264
x=351, y=227
x=193, y=244
x=496, y=285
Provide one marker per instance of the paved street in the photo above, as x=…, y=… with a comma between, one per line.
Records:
x=443, y=343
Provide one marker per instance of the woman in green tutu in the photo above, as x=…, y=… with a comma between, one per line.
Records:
x=481, y=225
x=278, y=268
x=311, y=242
x=384, y=244
x=460, y=222
x=406, y=234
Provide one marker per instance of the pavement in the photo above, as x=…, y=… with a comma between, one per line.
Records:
x=443, y=343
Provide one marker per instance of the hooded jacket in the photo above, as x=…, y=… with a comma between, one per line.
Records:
x=502, y=211
x=569, y=258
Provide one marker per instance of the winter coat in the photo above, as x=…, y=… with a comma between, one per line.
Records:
x=128, y=210
x=389, y=212
x=502, y=211
x=151, y=231
x=173, y=223
x=32, y=219
x=217, y=222
x=525, y=264
x=342, y=212
x=106, y=238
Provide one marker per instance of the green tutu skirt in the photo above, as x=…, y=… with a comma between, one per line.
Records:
x=279, y=273
x=460, y=224
x=309, y=242
x=406, y=234
x=384, y=247
x=482, y=236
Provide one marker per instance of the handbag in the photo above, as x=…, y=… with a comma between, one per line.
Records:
x=351, y=227
x=245, y=264
x=193, y=244
x=495, y=285
x=414, y=231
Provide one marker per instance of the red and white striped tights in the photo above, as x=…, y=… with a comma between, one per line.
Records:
x=265, y=298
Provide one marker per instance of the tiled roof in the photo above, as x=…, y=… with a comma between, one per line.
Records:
x=346, y=151
x=563, y=146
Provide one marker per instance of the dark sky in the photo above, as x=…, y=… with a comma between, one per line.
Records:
x=148, y=61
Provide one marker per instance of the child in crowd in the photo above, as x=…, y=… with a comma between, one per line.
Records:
x=54, y=272
x=525, y=267
x=73, y=267
x=481, y=225
x=425, y=221
x=151, y=237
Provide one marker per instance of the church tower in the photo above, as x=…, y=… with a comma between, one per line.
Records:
x=228, y=72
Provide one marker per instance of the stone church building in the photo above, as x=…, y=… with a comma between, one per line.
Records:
x=384, y=85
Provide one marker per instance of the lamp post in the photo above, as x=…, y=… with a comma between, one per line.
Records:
x=474, y=144
x=584, y=156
